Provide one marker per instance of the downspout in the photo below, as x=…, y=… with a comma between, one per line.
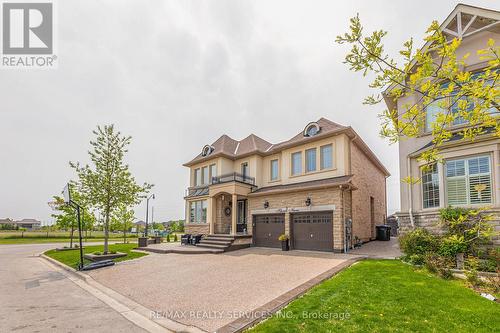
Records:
x=342, y=217
x=410, y=196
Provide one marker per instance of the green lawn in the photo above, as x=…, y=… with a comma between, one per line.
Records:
x=37, y=237
x=72, y=257
x=387, y=296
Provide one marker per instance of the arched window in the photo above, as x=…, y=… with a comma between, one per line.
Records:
x=207, y=150
x=311, y=129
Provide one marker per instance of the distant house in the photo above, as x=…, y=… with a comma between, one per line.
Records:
x=29, y=224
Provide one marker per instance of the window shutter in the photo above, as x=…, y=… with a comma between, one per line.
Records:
x=480, y=189
x=457, y=191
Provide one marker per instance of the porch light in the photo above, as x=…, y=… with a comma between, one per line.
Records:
x=266, y=204
x=308, y=201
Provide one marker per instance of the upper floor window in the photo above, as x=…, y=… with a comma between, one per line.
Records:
x=274, y=169
x=296, y=163
x=207, y=150
x=213, y=171
x=197, y=177
x=430, y=187
x=468, y=181
x=326, y=157
x=204, y=175
x=311, y=129
x=440, y=106
x=244, y=169
x=311, y=160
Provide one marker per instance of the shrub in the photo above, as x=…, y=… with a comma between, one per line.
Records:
x=418, y=241
x=97, y=253
x=439, y=265
x=283, y=237
x=175, y=238
x=487, y=265
x=473, y=224
x=472, y=278
x=112, y=252
x=451, y=245
x=414, y=259
x=168, y=238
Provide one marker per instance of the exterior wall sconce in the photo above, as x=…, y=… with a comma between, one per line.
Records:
x=308, y=202
x=266, y=204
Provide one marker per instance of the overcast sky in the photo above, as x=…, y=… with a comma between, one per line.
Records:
x=175, y=75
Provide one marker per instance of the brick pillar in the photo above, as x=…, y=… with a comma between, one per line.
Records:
x=212, y=207
x=233, y=214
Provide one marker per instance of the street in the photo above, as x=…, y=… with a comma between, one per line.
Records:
x=36, y=298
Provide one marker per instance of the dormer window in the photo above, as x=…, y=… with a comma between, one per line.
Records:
x=311, y=129
x=207, y=150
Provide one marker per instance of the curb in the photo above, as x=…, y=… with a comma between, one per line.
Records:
x=270, y=308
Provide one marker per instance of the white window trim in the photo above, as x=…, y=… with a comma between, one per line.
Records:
x=467, y=182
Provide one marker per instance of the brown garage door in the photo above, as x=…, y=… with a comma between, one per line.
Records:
x=267, y=229
x=312, y=231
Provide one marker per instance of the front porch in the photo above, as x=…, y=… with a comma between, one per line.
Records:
x=227, y=210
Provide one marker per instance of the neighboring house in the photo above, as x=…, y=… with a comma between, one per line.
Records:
x=307, y=187
x=29, y=224
x=469, y=175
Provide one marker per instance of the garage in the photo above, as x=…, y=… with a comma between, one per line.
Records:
x=312, y=231
x=267, y=228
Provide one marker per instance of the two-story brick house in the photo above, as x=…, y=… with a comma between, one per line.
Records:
x=307, y=187
x=468, y=175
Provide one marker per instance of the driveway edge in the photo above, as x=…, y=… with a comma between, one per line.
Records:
x=265, y=311
x=132, y=311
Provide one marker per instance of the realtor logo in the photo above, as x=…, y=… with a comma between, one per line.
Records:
x=27, y=34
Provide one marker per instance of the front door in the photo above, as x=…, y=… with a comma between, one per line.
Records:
x=241, y=217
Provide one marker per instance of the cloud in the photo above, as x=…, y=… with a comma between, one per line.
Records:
x=176, y=75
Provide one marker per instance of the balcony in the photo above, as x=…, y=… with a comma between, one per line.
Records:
x=197, y=191
x=233, y=177
x=201, y=190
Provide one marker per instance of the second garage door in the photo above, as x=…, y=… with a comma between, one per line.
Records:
x=312, y=231
x=267, y=229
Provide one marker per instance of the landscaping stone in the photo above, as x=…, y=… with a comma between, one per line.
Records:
x=99, y=257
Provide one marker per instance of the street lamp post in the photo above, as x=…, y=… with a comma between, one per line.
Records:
x=152, y=196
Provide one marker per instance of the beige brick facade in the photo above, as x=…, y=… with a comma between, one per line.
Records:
x=371, y=185
x=197, y=228
x=287, y=202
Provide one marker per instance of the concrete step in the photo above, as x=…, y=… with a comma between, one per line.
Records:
x=213, y=246
x=216, y=242
x=217, y=238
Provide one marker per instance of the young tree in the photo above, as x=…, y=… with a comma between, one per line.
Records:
x=108, y=183
x=435, y=74
x=123, y=219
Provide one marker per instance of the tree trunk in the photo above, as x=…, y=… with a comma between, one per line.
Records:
x=106, y=231
x=124, y=235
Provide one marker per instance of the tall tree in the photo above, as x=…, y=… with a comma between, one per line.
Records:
x=108, y=182
x=435, y=74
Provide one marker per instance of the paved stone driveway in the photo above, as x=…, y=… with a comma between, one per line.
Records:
x=209, y=290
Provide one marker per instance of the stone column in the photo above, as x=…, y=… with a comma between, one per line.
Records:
x=212, y=207
x=234, y=212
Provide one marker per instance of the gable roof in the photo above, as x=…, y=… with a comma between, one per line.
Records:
x=252, y=144
x=464, y=21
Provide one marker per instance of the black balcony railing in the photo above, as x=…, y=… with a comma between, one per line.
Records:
x=233, y=177
x=196, y=191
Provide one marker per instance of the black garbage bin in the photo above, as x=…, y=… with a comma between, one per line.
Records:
x=383, y=232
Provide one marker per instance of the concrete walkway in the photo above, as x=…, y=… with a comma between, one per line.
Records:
x=380, y=249
x=209, y=291
x=36, y=297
